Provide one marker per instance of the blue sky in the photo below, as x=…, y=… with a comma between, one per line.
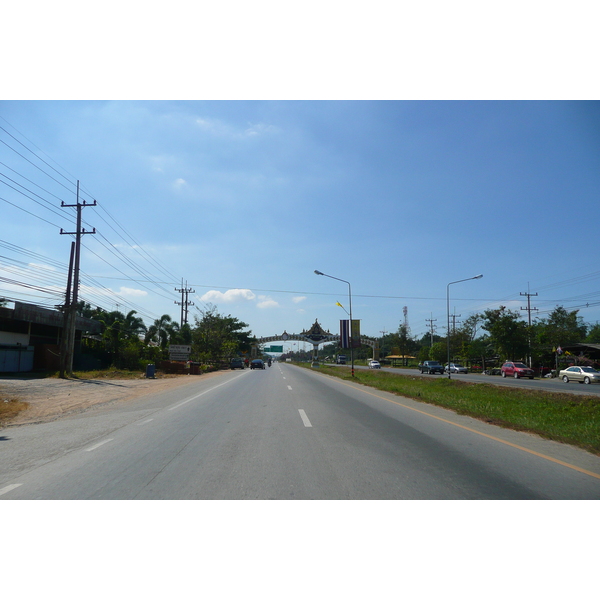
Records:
x=245, y=199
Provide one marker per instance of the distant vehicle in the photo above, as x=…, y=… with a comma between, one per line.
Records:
x=237, y=363
x=516, y=370
x=341, y=359
x=257, y=363
x=431, y=366
x=374, y=364
x=454, y=368
x=580, y=374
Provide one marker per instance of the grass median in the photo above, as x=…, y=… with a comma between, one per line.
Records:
x=568, y=418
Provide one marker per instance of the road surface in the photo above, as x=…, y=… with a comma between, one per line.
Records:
x=285, y=433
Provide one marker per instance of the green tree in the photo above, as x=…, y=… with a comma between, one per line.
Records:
x=159, y=331
x=508, y=333
x=439, y=352
x=133, y=327
x=217, y=337
x=561, y=328
x=593, y=336
x=462, y=338
x=402, y=343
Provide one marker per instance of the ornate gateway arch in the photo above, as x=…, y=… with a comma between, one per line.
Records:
x=315, y=335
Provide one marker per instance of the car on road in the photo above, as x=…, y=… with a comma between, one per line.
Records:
x=374, y=364
x=581, y=374
x=257, y=363
x=454, y=368
x=431, y=366
x=516, y=370
x=237, y=363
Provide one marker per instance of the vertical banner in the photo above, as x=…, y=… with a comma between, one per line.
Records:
x=344, y=333
x=356, y=333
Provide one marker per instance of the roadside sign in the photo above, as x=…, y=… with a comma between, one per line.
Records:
x=178, y=356
x=179, y=348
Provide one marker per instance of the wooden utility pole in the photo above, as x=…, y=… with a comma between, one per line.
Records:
x=72, y=304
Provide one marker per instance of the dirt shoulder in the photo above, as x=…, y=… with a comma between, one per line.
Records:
x=51, y=399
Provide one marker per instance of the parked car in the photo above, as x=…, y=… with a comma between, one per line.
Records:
x=516, y=370
x=454, y=368
x=374, y=364
x=431, y=366
x=237, y=363
x=581, y=374
x=257, y=363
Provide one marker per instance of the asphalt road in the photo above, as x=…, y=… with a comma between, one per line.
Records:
x=546, y=384
x=285, y=433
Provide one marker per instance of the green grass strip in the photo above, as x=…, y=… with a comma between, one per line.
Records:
x=568, y=418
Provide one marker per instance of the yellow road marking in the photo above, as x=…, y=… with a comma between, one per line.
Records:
x=491, y=437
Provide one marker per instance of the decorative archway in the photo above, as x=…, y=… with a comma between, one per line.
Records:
x=316, y=335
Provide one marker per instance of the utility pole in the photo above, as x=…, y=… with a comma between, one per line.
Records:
x=454, y=323
x=66, y=308
x=184, y=301
x=529, y=309
x=431, y=326
x=72, y=304
x=383, y=334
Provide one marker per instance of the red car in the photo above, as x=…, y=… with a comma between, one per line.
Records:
x=516, y=370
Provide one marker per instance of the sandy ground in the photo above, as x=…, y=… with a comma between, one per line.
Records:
x=50, y=399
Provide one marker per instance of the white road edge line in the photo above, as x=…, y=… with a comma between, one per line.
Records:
x=146, y=421
x=289, y=387
x=9, y=488
x=98, y=445
x=304, y=418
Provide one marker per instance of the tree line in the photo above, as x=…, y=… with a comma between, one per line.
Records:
x=127, y=343
x=498, y=335
x=486, y=340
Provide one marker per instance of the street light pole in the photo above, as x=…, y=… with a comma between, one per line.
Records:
x=350, y=306
x=448, y=314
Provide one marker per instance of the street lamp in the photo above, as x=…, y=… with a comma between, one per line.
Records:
x=448, y=314
x=350, y=306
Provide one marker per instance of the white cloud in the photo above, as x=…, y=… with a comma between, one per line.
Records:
x=266, y=302
x=228, y=297
x=297, y=299
x=179, y=183
x=258, y=128
x=220, y=129
x=125, y=291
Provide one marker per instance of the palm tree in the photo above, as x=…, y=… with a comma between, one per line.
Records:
x=133, y=326
x=159, y=331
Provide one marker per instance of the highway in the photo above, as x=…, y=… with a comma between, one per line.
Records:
x=546, y=384
x=285, y=433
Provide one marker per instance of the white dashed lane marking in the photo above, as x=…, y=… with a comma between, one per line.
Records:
x=9, y=488
x=304, y=418
x=98, y=445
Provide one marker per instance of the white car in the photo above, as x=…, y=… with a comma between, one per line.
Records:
x=581, y=374
x=374, y=364
x=454, y=368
